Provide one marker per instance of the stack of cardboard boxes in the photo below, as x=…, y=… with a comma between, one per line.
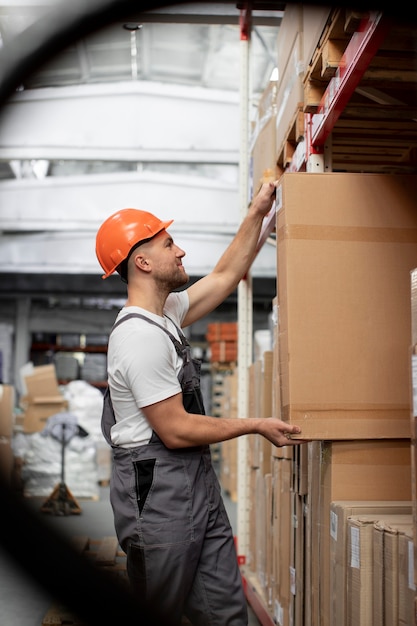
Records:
x=336, y=512
x=222, y=340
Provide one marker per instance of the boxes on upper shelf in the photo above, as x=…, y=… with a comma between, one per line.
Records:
x=297, y=39
x=346, y=246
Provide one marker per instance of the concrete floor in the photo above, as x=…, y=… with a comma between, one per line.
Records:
x=23, y=602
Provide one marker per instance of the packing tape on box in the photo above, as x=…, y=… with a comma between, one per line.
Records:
x=347, y=233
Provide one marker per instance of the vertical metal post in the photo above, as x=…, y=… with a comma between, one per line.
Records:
x=245, y=306
x=22, y=341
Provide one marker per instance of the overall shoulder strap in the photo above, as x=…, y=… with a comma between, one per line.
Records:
x=178, y=345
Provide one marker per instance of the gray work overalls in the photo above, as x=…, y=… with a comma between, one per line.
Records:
x=171, y=521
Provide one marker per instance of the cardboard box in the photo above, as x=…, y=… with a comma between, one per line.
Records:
x=406, y=585
x=386, y=535
x=263, y=157
x=6, y=460
x=282, y=529
x=268, y=590
x=297, y=39
x=228, y=466
x=413, y=402
x=219, y=331
x=346, y=246
x=260, y=405
x=298, y=560
x=285, y=451
x=359, y=570
x=43, y=398
x=413, y=292
x=37, y=411
x=340, y=511
x=7, y=404
x=263, y=531
x=363, y=573
x=223, y=351
x=314, y=533
x=42, y=382
x=300, y=467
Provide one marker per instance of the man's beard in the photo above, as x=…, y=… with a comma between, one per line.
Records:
x=170, y=283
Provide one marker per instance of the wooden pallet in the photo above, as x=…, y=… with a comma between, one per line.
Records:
x=107, y=555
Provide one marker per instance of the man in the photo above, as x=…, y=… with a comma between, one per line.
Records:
x=169, y=515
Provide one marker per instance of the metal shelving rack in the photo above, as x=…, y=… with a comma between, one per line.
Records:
x=311, y=155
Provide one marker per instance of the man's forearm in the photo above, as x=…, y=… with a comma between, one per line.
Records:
x=241, y=252
x=197, y=430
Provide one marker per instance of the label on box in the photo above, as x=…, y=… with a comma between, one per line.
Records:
x=411, y=584
x=279, y=613
x=333, y=525
x=278, y=198
x=355, y=548
x=292, y=580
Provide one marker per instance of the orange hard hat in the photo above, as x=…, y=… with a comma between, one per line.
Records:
x=120, y=232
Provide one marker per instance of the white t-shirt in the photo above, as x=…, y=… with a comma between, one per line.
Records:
x=143, y=368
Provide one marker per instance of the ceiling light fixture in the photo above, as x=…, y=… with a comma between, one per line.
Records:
x=132, y=27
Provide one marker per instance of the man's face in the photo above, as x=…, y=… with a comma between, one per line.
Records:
x=164, y=258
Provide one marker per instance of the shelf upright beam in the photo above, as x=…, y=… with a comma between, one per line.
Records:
x=361, y=49
x=245, y=306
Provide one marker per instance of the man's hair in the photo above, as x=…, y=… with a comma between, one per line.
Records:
x=122, y=268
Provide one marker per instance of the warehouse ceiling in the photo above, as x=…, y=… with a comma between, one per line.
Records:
x=192, y=44
x=182, y=46
x=198, y=46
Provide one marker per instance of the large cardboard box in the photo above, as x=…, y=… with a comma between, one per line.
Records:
x=346, y=246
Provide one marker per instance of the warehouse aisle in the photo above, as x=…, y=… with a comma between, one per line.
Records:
x=22, y=603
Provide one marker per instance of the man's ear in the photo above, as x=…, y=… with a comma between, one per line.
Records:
x=141, y=262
